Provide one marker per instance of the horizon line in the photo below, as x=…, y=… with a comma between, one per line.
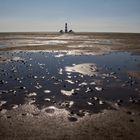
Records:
x=68, y=33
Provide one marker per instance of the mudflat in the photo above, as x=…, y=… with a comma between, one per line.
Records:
x=69, y=86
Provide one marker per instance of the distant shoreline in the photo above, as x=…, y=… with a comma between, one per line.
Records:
x=82, y=41
x=52, y=32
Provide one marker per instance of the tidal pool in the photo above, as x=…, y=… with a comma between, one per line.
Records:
x=91, y=84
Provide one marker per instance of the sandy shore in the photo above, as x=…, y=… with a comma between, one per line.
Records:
x=28, y=122
x=135, y=74
x=85, y=42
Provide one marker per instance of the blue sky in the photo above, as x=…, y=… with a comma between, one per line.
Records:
x=82, y=15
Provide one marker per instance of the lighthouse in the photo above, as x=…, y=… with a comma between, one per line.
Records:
x=66, y=27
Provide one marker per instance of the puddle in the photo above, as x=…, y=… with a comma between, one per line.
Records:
x=80, y=83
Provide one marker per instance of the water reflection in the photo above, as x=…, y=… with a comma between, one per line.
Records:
x=43, y=79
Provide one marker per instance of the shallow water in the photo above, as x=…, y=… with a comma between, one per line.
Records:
x=3, y=45
x=39, y=78
x=68, y=40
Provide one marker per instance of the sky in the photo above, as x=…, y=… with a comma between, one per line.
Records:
x=81, y=15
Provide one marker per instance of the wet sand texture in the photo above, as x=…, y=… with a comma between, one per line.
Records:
x=82, y=86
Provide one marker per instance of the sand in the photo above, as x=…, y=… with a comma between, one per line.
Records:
x=85, y=42
x=85, y=69
x=28, y=122
x=7, y=58
x=135, y=74
x=67, y=93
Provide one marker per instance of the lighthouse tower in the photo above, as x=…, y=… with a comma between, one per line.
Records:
x=66, y=27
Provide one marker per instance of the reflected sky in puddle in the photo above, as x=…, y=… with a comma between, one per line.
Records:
x=40, y=78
